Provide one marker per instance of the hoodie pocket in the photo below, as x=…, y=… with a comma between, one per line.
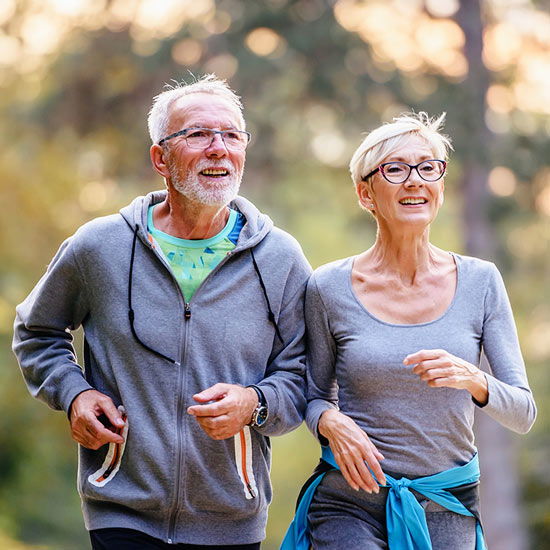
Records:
x=243, y=461
x=227, y=477
x=113, y=458
x=136, y=474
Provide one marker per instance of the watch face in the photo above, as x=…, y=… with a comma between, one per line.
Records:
x=260, y=416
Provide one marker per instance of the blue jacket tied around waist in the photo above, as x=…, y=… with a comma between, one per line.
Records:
x=405, y=517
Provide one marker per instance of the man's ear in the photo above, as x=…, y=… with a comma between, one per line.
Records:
x=158, y=160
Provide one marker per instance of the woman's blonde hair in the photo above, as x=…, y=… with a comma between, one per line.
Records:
x=384, y=140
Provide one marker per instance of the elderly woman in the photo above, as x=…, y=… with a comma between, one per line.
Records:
x=395, y=336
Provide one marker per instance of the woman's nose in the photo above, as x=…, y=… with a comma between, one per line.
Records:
x=414, y=179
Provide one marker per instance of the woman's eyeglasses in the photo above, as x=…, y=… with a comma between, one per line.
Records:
x=399, y=172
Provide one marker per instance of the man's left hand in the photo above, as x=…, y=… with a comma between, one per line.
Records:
x=225, y=409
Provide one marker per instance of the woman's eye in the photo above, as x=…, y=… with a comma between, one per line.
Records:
x=394, y=169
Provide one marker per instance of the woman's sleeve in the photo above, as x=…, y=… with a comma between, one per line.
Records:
x=322, y=389
x=510, y=399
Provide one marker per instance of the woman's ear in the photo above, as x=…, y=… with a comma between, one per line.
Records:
x=364, y=195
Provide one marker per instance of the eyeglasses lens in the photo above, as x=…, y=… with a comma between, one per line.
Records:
x=200, y=139
x=429, y=170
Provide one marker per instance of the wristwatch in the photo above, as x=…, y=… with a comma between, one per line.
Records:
x=260, y=414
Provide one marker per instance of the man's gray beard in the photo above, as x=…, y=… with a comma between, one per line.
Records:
x=209, y=196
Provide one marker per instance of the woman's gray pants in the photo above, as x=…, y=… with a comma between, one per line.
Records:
x=343, y=519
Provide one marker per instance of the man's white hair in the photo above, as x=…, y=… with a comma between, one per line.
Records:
x=388, y=138
x=208, y=84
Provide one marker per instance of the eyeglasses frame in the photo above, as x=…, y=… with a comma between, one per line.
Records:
x=411, y=167
x=221, y=132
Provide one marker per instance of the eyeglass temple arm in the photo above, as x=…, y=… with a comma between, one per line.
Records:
x=365, y=178
x=175, y=134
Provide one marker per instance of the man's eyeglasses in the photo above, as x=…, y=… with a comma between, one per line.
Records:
x=399, y=172
x=201, y=138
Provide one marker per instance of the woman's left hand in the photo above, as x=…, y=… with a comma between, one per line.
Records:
x=439, y=368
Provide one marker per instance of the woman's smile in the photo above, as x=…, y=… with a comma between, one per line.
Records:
x=413, y=201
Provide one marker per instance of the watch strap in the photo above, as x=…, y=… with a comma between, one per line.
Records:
x=260, y=413
x=261, y=397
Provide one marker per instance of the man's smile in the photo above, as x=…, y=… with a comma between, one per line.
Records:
x=214, y=172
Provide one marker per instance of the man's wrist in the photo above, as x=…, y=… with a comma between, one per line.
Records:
x=70, y=408
x=254, y=400
x=260, y=412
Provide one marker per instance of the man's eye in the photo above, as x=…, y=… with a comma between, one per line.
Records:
x=233, y=135
x=197, y=134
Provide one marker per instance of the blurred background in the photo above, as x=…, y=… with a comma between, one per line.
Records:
x=77, y=78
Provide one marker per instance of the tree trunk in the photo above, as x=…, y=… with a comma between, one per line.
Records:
x=500, y=498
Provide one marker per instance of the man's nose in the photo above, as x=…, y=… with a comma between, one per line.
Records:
x=217, y=147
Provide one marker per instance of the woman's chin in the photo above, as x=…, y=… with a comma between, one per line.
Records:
x=413, y=218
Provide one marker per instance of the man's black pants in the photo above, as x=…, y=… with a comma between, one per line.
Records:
x=128, y=539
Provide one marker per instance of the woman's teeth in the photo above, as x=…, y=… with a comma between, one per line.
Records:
x=413, y=201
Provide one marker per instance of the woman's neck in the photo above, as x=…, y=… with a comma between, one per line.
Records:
x=406, y=256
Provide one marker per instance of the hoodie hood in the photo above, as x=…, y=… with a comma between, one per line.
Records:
x=257, y=225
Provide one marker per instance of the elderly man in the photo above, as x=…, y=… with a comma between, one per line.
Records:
x=191, y=304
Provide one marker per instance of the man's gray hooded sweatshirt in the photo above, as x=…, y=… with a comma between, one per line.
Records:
x=170, y=479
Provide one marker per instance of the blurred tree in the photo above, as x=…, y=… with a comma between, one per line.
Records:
x=504, y=526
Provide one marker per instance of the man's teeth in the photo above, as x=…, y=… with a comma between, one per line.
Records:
x=215, y=172
x=413, y=201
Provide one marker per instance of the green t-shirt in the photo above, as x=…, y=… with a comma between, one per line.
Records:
x=192, y=260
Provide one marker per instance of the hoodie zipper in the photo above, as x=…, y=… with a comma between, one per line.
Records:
x=187, y=317
x=180, y=425
x=179, y=462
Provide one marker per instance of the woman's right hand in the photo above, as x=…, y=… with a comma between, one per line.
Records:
x=353, y=450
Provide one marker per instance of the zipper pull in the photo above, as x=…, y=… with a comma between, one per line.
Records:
x=187, y=313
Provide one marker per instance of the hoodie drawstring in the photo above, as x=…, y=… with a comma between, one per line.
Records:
x=270, y=314
x=131, y=314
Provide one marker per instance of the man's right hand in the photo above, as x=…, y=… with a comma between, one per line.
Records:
x=86, y=429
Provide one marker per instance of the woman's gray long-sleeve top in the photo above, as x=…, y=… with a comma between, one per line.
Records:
x=355, y=363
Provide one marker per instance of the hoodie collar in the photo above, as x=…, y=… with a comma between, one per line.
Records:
x=257, y=225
